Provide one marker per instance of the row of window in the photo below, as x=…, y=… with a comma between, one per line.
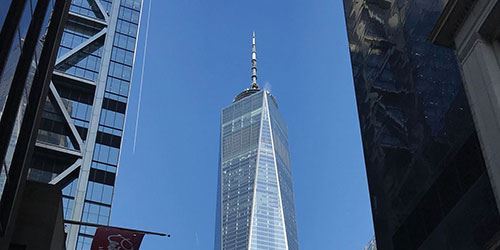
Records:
x=117, y=86
x=237, y=109
x=79, y=29
x=78, y=110
x=71, y=39
x=106, y=4
x=82, y=73
x=124, y=41
x=123, y=56
x=55, y=138
x=68, y=205
x=99, y=192
x=108, y=139
x=126, y=27
x=94, y=213
x=106, y=154
x=53, y=128
x=112, y=119
x=104, y=167
x=106, y=151
x=118, y=98
x=70, y=189
x=111, y=131
x=84, y=64
x=83, y=7
x=133, y=4
x=120, y=71
x=114, y=104
x=49, y=164
x=84, y=242
x=75, y=94
x=128, y=14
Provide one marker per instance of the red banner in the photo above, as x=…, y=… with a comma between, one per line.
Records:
x=108, y=238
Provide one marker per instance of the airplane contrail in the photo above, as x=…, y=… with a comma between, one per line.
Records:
x=142, y=77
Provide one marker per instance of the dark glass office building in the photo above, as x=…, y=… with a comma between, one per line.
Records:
x=428, y=184
x=29, y=33
x=255, y=205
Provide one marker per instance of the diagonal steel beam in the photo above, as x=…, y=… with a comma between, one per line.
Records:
x=67, y=172
x=67, y=117
x=102, y=10
x=81, y=46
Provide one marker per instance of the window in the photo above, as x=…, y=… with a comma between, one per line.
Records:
x=112, y=119
x=117, y=86
x=120, y=71
x=83, y=7
x=134, y=4
x=122, y=56
x=83, y=242
x=106, y=154
x=129, y=14
x=99, y=192
x=104, y=167
x=124, y=41
x=126, y=27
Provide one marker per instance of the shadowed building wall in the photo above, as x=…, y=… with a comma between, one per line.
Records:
x=427, y=179
x=472, y=29
x=29, y=34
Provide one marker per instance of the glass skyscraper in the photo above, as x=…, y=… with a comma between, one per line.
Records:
x=255, y=207
x=81, y=129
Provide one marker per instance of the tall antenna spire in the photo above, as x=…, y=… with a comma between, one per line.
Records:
x=254, y=63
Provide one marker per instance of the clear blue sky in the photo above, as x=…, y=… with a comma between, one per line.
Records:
x=198, y=59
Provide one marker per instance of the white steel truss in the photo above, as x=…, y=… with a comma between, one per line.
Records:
x=80, y=168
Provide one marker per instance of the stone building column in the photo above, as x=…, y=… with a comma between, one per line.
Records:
x=480, y=61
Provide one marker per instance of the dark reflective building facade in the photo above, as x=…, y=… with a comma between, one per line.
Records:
x=428, y=184
x=13, y=62
x=29, y=34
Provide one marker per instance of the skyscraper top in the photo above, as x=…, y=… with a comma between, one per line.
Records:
x=254, y=63
x=254, y=88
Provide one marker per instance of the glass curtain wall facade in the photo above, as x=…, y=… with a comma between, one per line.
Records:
x=426, y=173
x=29, y=31
x=80, y=134
x=11, y=65
x=255, y=202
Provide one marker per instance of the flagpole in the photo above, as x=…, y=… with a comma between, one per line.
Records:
x=121, y=228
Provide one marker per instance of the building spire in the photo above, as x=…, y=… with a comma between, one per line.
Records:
x=254, y=63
